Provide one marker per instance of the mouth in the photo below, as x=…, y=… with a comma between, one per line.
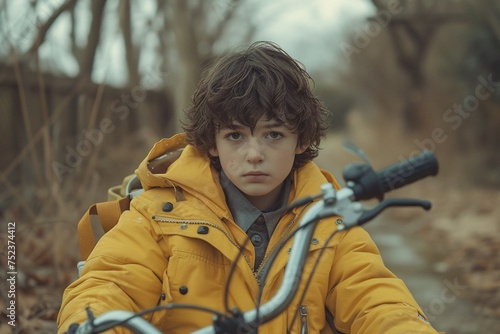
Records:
x=255, y=173
x=255, y=176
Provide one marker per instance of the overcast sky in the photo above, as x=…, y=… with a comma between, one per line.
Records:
x=312, y=30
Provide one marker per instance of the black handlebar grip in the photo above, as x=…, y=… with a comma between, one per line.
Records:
x=408, y=171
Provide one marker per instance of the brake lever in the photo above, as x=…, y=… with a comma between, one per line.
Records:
x=368, y=215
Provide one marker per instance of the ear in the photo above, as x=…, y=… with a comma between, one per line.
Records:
x=213, y=152
x=301, y=149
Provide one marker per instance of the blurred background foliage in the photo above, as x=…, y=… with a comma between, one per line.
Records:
x=86, y=87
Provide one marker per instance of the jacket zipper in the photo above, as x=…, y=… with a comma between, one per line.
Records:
x=303, y=319
x=202, y=222
x=266, y=256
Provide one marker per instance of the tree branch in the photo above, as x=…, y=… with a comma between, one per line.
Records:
x=228, y=14
x=44, y=28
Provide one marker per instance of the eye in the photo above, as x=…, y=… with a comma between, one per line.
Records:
x=275, y=135
x=233, y=136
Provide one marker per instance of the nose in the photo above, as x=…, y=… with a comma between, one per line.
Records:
x=254, y=153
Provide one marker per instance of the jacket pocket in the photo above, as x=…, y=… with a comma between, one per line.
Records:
x=195, y=277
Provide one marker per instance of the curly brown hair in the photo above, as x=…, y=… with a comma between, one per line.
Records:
x=244, y=86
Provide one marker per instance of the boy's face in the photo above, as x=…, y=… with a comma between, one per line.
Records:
x=257, y=162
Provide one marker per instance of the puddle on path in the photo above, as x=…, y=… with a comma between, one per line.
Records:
x=442, y=296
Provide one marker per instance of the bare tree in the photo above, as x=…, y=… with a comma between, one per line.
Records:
x=94, y=37
x=412, y=32
x=188, y=31
x=131, y=50
x=463, y=37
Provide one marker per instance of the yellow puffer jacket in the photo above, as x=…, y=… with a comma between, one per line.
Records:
x=177, y=242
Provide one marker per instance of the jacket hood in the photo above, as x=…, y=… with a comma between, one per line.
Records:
x=172, y=163
x=153, y=169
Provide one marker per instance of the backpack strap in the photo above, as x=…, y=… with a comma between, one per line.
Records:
x=99, y=219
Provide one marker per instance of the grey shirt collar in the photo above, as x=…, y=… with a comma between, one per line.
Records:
x=245, y=214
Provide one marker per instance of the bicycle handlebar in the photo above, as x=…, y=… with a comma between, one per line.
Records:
x=408, y=171
x=367, y=184
x=115, y=318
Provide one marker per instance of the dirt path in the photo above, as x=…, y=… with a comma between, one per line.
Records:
x=445, y=298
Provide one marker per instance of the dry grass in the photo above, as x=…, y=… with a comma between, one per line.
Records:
x=47, y=247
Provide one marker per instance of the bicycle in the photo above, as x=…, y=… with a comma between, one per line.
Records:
x=362, y=183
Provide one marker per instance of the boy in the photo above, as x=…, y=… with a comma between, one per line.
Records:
x=251, y=134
